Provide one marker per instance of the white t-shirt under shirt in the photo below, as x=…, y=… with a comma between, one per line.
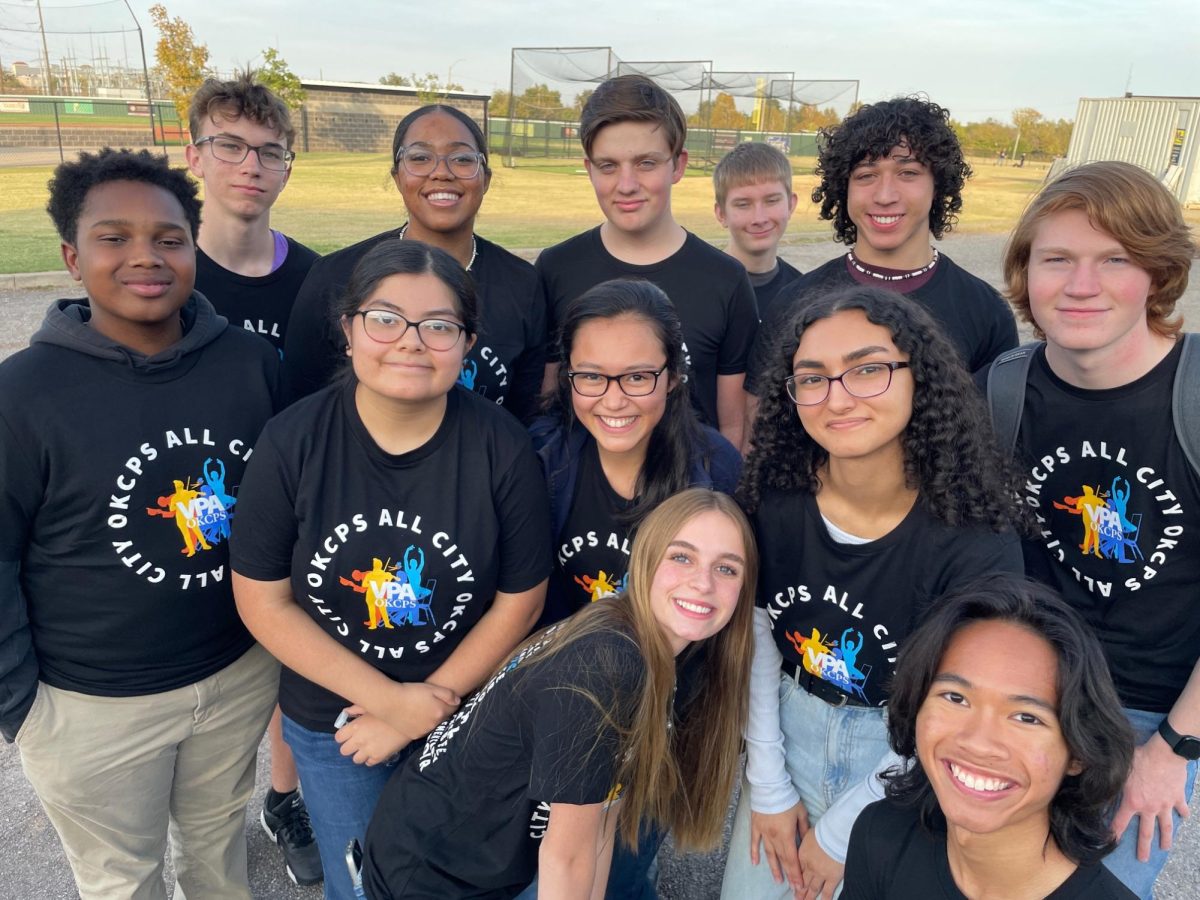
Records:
x=395, y=556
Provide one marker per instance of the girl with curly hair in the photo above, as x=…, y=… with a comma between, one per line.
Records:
x=874, y=488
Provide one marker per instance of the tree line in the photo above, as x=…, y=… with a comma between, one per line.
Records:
x=182, y=62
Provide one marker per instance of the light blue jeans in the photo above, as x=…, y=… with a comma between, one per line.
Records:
x=829, y=750
x=1139, y=877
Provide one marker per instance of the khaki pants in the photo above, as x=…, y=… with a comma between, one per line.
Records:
x=115, y=774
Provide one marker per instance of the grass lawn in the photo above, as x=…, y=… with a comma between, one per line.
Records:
x=335, y=199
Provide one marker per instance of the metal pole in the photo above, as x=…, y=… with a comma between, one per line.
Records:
x=45, y=51
x=146, y=76
x=58, y=131
x=512, y=74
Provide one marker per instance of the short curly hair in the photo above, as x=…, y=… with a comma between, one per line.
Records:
x=950, y=453
x=1133, y=206
x=870, y=133
x=73, y=180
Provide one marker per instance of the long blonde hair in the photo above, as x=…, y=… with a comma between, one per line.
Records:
x=682, y=777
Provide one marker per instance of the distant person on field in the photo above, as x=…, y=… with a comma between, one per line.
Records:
x=892, y=176
x=633, y=132
x=135, y=695
x=753, y=184
x=241, y=149
x=242, y=136
x=1096, y=265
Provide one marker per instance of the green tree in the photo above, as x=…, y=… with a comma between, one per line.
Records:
x=581, y=100
x=182, y=62
x=275, y=75
x=539, y=102
x=429, y=86
x=498, y=105
x=1025, y=120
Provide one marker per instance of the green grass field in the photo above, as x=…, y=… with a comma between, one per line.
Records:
x=335, y=199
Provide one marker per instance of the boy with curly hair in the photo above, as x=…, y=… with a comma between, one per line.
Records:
x=892, y=176
x=135, y=695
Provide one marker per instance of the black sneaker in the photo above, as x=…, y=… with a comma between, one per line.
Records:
x=287, y=824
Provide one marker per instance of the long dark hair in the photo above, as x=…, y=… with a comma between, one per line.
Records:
x=668, y=455
x=1097, y=735
x=950, y=453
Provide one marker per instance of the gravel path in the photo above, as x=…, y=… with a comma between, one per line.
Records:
x=32, y=866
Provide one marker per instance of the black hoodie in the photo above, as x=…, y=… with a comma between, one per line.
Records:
x=118, y=484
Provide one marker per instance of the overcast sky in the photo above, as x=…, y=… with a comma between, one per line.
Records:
x=980, y=59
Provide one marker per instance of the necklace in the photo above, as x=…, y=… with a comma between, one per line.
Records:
x=903, y=276
x=475, y=248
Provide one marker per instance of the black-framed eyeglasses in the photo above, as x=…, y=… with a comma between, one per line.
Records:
x=234, y=150
x=868, y=380
x=420, y=161
x=387, y=327
x=632, y=384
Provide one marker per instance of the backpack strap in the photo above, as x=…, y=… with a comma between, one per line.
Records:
x=1185, y=401
x=1006, y=392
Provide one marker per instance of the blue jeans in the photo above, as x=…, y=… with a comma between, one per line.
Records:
x=1139, y=877
x=828, y=750
x=340, y=797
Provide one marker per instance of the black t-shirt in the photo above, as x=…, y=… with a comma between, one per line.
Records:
x=465, y=817
x=974, y=317
x=842, y=610
x=766, y=292
x=505, y=365
x=892, y=857
x=593, y=551
x=1119, y=510
x=261, y=304
x=395, y=556
x=709, y=289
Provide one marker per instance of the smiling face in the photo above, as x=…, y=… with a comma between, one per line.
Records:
x=245, y=190
x=135, y=256
x=1085, y=292
x=849, y=427
x=441, y=202
x=632, y=171
x=988, y=735
x=620, y=424
x=757, y=216
x=696, y=585
x=888, y=200
x=406, y=370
